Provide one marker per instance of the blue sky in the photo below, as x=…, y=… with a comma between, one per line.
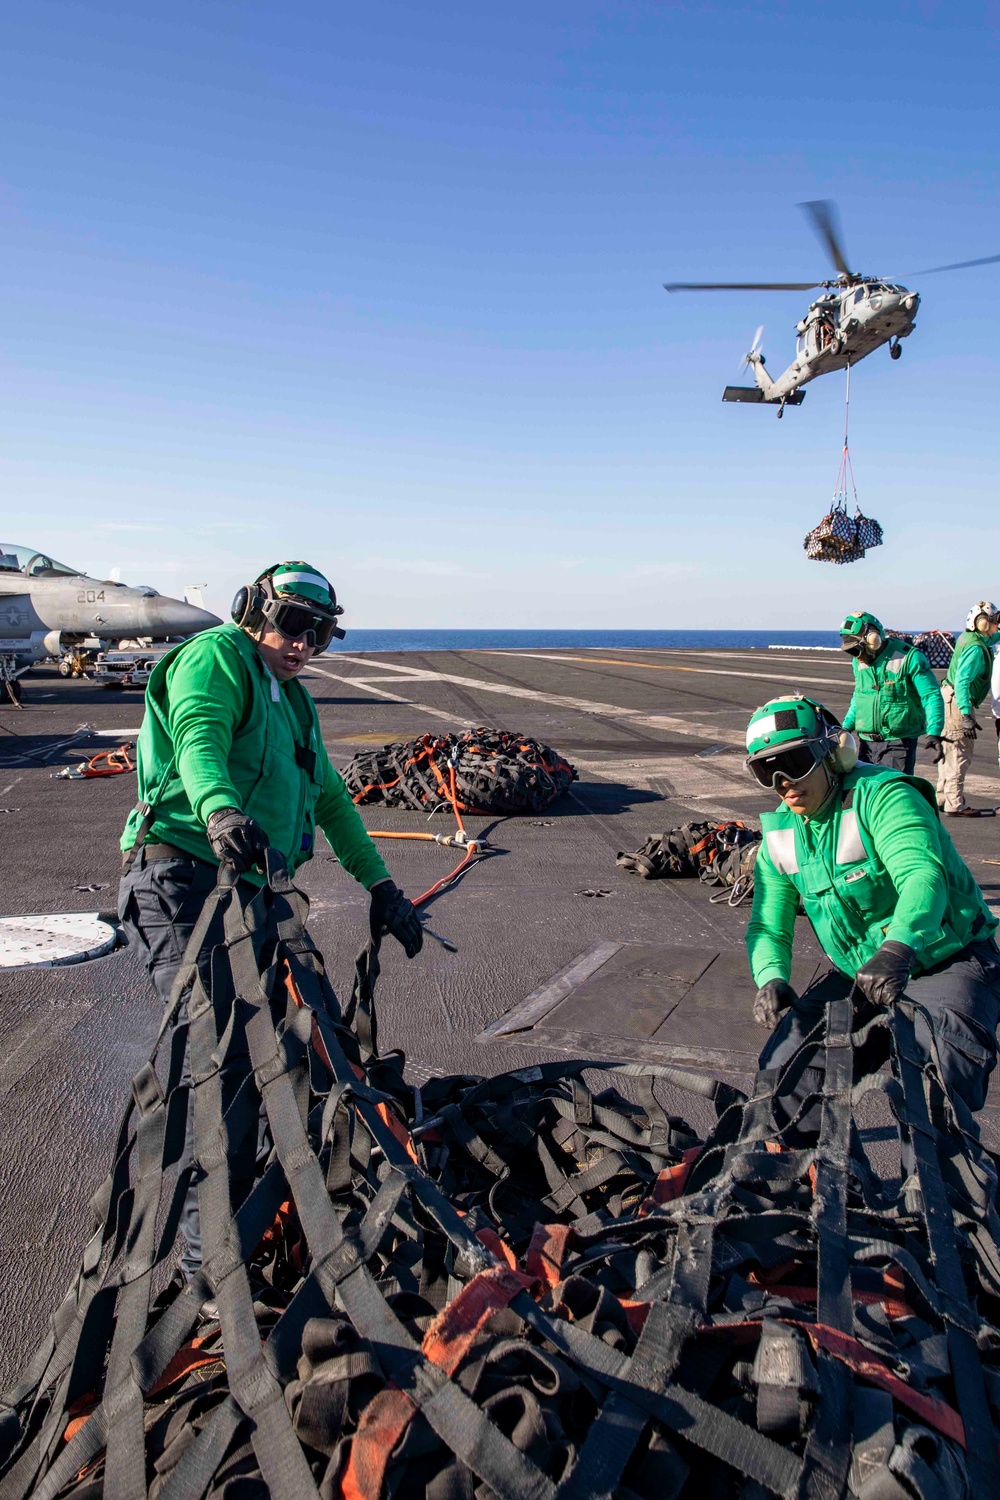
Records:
x=380, y=286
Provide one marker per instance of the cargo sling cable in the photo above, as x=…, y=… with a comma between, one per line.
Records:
x=516, y=1280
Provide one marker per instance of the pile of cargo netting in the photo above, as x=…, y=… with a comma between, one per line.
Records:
x=717, y=854
x=840, y=538
x=484, y=770
x=520, y=1286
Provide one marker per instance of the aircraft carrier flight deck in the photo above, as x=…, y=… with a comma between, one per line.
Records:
x=559, y=950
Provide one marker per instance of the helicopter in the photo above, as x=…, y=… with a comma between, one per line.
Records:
x=855, y=316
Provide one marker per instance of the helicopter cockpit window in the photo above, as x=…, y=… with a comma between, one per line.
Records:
x=859, y=295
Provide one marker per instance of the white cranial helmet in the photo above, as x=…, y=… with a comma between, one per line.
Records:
x=984, y=607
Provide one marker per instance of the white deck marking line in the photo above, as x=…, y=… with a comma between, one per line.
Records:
x=425, y=708
x=690, y=729
x=687, y=781
x=655, y=666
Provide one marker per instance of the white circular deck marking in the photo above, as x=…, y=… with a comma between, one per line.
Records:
x=42, y=941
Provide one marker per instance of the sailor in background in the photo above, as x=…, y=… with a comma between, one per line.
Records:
x=895, y=909
x=896, y=695
x=995, y=695
x=231, y=762
x=966, y=684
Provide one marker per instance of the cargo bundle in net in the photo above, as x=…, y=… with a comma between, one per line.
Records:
x=482, y=770
x=528, y=1286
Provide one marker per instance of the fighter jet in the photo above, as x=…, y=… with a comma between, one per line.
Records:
x=47, y=607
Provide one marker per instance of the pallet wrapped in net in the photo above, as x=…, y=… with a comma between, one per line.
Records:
x=487, y=770
x=938, y=646
x=522, y=1287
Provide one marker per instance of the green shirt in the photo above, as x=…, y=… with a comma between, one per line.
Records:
x=970, y=668
x=896, y=696
x=220, y=731
x=875, y=863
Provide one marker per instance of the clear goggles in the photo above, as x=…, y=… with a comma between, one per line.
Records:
x=793, y=764
x=297, y=622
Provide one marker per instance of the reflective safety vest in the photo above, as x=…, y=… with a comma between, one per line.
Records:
x=844, y=887
x=887, y=698
x=979, y=682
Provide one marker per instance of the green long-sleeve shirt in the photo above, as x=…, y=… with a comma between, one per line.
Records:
x=876, y=863
x=220, y=731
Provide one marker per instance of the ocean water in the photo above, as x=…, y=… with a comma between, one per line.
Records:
x=500, y=640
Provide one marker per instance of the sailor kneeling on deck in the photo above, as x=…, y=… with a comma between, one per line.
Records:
x=891, y=901
x=231, y=762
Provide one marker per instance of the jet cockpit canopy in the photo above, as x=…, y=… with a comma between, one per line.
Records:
x=32, y=563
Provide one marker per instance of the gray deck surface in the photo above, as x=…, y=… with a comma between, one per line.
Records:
x=657, y=737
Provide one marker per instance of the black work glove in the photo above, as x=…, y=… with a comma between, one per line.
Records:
x=390, y=911
x=968, y=724
x=236, y=839
x=935, y=745
x=884, y=977
x=771, y=999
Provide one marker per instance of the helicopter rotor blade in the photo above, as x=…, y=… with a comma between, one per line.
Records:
x=740, y=286
x=958, y=265
x=822, y=212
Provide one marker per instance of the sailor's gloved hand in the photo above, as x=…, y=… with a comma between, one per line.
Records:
x=935, y=745
x=236, y=839
x=968, y=724
x=771, y=999
x=884, y=977
x=390, y=911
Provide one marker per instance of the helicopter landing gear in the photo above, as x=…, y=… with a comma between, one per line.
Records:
x=895, y=349
x=781, y=411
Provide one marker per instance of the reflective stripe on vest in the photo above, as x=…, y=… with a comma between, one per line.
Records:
x=895, y=662
x=849, y=846
x=781, y=848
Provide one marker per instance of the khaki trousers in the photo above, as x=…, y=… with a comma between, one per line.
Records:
x=957, y=755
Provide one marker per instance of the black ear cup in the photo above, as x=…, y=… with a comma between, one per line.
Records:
x=246, y=610
x=239, y=606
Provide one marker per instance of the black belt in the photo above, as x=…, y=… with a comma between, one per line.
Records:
x=155, y=851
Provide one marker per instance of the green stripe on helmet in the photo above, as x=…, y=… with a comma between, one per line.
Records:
x=784, y=722
x=302, y=581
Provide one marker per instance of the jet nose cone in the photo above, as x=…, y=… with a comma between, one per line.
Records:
x=162, y=615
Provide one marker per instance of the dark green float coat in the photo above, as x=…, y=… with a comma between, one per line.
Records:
x=896, y=696
x=220, y=731
x=875, y=863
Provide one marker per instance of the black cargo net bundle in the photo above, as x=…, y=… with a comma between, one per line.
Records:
x=840, y=538
x=513, y=1287
x=937, y=645
x=482, y=770
x=718, y=854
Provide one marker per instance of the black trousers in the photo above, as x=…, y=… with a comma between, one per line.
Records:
x=159, y=902
x=962, y=999
x=900, y=755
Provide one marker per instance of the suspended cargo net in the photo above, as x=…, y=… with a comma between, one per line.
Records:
x=937, y=645
x=717, y=854
x=511, y=1287
x=840, y=538
x=482, y=770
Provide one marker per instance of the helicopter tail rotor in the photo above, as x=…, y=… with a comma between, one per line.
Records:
x=754, y=350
